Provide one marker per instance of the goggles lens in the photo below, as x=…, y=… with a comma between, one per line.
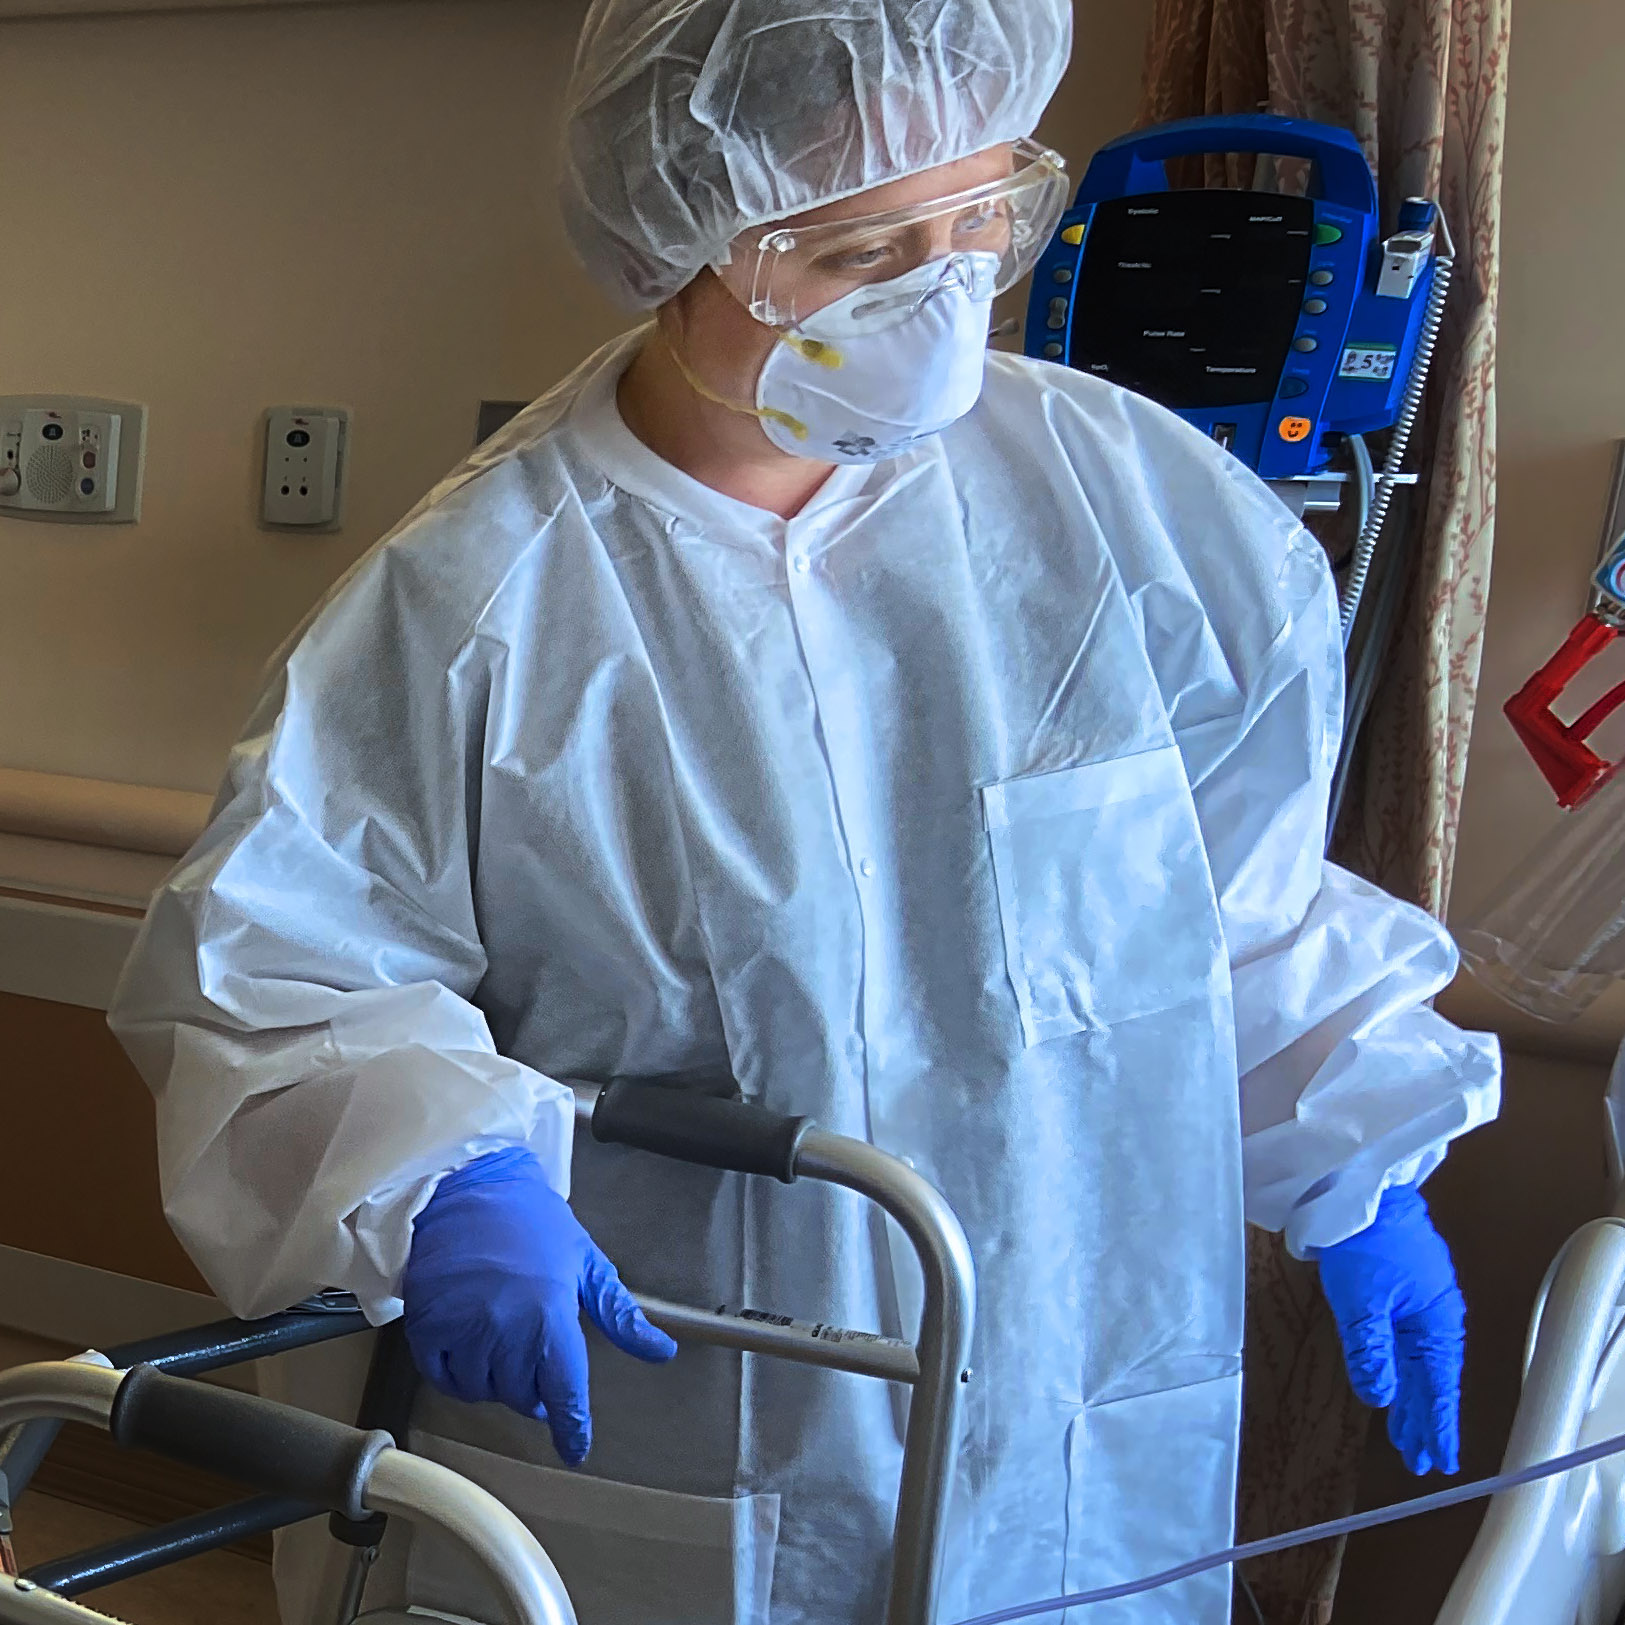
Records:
x=796, y=271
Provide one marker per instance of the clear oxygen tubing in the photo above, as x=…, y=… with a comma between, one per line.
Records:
x=1251, y=1600
x=1476, y=1491
x=1365, y=547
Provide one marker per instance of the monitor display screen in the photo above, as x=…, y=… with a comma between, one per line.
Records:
x=1192, y=297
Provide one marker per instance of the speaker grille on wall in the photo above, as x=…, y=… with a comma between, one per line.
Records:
x=49, y=475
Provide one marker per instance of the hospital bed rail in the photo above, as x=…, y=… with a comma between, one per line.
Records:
x=1553, y=1552
x=712, y=1130
x=309, y=1460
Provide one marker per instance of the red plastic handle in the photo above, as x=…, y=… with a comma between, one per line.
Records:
x=1571, y=767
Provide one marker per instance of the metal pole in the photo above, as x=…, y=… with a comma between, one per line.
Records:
x=24, y=1446
x=832, y=1347
x=185, y=1353
x=418, y=1490
x=946, y=1323
x=941, y=1364
x=422, y=1491
x=63, y=1389
x=173, y=1543
x=235, y=1342
x=362, y=1559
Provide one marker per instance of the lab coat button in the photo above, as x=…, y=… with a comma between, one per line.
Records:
x=801, y=564
x=866, y=868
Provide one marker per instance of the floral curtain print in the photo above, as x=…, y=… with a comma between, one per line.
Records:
x=1423, y=85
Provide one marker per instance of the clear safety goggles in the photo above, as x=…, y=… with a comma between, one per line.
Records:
x=1000, y=227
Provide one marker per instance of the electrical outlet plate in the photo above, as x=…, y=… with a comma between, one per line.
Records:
x=305, y=456
x=71, y=459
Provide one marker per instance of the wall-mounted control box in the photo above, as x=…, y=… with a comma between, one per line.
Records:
x=305, y=450
x=71, y=458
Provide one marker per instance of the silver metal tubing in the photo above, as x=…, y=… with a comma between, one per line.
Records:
x=354, y=1589
x=25, y=1445
x=63, y=1389
x=946, y=1324
x=940, y=1364
x=418, y=1490
x=423, y=1492
x=834, y=1348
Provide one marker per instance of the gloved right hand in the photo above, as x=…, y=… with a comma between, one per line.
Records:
x=495, y=1282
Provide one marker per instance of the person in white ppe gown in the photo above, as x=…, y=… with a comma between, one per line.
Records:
x=942, y=756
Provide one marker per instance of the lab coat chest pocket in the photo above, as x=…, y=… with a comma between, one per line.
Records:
x=627, y=1555
x=1104, y=895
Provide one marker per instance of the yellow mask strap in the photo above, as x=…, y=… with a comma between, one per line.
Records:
x=825, y=355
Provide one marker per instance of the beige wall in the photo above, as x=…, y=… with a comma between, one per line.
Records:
x=1562, y=393
x=217, y=212
x=1509, y=1195
x=1100, y=96
x=214, y=213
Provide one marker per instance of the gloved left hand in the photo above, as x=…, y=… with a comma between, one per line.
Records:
x=1402, y=1320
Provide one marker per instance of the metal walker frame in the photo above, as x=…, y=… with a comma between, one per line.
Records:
x=237, y=1434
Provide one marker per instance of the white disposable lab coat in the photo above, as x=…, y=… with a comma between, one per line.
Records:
x=977, y=810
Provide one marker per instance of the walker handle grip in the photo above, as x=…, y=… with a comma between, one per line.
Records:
x=272, y=1447
x=727, y=1134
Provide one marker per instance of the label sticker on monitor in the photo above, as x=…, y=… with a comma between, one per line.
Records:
x=1373, y=361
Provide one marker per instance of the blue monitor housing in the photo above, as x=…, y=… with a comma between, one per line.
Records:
x=1275, y=324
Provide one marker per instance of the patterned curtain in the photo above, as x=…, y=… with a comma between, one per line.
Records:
x=1423, y=84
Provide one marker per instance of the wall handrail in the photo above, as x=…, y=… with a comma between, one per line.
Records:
x=98, y=812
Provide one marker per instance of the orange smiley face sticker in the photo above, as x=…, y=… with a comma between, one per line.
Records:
x=1295, y=429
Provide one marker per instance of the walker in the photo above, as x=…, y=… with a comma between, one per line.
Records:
x=314, y=1461
x=303, y=1464
x=1548, y=1553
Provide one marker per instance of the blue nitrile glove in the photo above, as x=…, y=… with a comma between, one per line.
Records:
x=1401, y=1316
x=495, y=1283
